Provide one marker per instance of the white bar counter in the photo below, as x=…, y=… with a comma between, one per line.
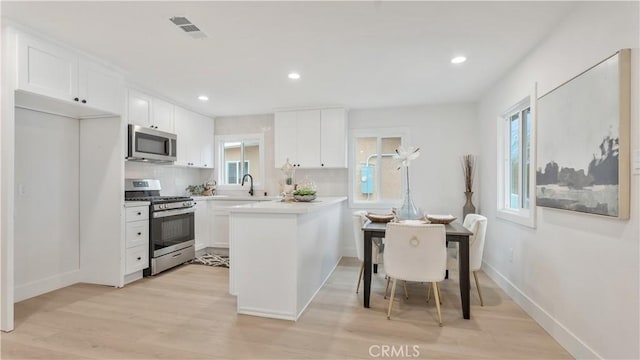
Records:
x=282, y=253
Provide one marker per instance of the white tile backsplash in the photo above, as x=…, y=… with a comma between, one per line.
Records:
x=174, y=179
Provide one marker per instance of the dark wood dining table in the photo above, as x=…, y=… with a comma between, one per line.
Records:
x=455, y=233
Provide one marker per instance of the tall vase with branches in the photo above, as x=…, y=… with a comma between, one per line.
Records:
x=408, y=210
x=468, y=168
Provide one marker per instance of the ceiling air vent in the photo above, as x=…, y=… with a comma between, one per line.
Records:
x=186, y=25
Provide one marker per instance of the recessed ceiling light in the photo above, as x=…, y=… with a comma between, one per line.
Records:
x=458, y=60
x=203, y=98
x=294, y=76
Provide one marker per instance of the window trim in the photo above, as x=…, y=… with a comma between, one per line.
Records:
x=403, y=134
x=522, y=216
x=220, y=162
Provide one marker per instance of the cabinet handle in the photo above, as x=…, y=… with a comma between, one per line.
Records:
x=139, y=233
x=139, y=213
x=139, y=258
x=76, y=99
x=84, y=101
x=321, y=164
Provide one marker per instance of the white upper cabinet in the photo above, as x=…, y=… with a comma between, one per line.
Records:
x=286, y=137
x=139, y=108
x=50, y=70
x=148, y=111
x=162, y=115
x=195, y=138
x=100, y=87
x=333, y=138
x=308, y=136
x=311, y=138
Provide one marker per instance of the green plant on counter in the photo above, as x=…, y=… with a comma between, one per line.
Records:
x=303, y=192
x=195, y=189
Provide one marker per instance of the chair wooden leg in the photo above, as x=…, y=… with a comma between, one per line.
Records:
x=406, y=294
x=437, y=298
x=393, y=292
x=475, y=275
x=360, y=277
x=428, y=293
x=386, y=287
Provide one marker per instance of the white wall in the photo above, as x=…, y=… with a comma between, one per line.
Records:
x=576, y=274
x=444, y=133
x=47, y=203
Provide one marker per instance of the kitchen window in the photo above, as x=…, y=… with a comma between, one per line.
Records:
x=233, y=171
x=238, y=155
x=516, y=196
x=375, y=180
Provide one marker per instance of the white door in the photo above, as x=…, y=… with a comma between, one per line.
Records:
x=333, y=138
x=47, y=69
x=139, y=108
x=285, y=129
x=162, y=115
x=308, y=136
x=99, y=87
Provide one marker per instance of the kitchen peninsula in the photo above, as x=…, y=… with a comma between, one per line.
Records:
x=282, y=253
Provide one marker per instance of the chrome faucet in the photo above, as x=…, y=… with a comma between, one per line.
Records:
x=251, y=179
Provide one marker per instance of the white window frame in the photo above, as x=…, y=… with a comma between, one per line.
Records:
x=522, y=216
x=220, y=140
x=403, y=134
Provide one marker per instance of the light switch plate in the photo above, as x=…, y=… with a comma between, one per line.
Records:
x=635, y=162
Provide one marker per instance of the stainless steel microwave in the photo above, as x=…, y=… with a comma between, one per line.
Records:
x=151, y=145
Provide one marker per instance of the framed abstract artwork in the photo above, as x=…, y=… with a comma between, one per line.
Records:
x=583, y=141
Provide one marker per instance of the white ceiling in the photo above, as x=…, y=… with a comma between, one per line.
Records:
x=358, y=54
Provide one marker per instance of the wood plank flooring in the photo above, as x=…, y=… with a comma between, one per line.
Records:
x=187, y=313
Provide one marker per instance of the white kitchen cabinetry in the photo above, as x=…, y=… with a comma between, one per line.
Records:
x=333, y=138
x=202, y=225
x=311, y=138
x=136, y=239
x=53, y=71
x=195, y=138
x=150, y=112
x=286, y=135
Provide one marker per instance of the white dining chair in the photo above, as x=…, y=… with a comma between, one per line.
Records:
x=477, y=224
x=359, y=219
x=416, y=253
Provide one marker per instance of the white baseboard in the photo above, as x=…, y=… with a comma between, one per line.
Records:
x=559, y=332
x=266, y=313
x=39, y=287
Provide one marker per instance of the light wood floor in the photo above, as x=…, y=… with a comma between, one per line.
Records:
x=187, y=313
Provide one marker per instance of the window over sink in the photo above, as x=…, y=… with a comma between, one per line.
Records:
x=238, y=155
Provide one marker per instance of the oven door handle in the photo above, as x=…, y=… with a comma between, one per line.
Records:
x=165, y=213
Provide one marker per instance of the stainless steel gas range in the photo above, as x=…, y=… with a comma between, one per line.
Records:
x=171, y=225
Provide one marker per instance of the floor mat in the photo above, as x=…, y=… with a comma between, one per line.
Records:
x=211, y=260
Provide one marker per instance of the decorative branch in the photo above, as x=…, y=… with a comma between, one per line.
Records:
x=468, y=168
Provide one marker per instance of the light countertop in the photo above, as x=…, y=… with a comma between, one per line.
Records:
x=270, y=207
x=235, y=198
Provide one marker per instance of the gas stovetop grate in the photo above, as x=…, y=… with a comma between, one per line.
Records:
x=157, y=199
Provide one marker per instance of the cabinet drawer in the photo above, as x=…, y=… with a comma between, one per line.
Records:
x=137, y=258
x=137, y=233
x=137, y=213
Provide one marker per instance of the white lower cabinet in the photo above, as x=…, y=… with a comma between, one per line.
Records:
x=136, y=239
x=202, y=225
